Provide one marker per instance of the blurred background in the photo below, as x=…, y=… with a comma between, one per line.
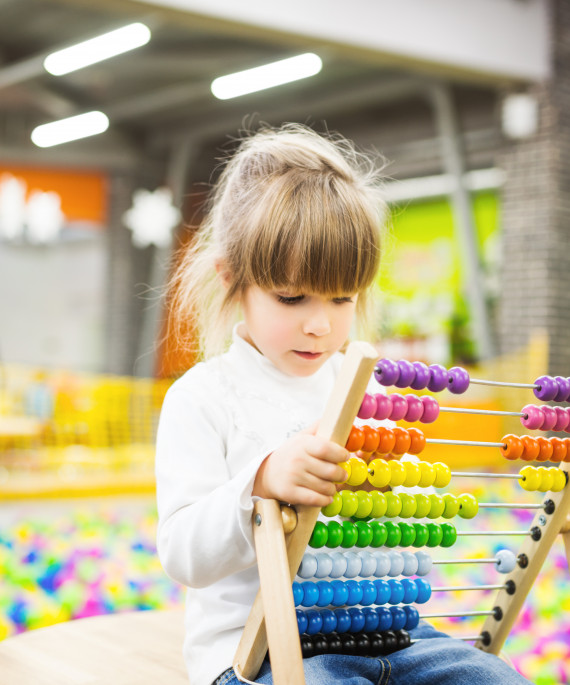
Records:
x=469, y=103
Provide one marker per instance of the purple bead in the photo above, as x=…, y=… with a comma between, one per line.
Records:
x=368, y=407
x=383, y=407
x=422, y=376
x=563, y=394
x=547, y=388
x=386, y=372
x=415, y=409
x=407, y=374
x=550, y=418
x=431, y=409
x=458, y=380
x=533, y=417
x=438, y=378
x=562, y=419
x=399, y=406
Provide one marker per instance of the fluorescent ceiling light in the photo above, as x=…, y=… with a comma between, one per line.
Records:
x=97, y=49
x=72, y=128
x=267, y=76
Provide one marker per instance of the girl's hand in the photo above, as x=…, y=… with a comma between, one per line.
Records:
x=304, y=470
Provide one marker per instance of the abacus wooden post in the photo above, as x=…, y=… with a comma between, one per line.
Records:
x=550, y=526
x=335, y=425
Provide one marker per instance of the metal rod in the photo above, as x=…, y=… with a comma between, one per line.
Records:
x=469, y=587
x=465, y=561
x=471, y=443
x=493, y=532
x=503, y=383
x=486, y=412
x=466, y=638
x=475, y=474
x=459, y=614
x=509, y=505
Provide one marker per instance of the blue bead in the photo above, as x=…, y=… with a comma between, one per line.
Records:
x=413, y=617
x=383, y=592
x=357, y=620
x=297, y=593
x=315, y=622
x=384, y=618
x=343, y=620
x=310, y=593
x=329, y=621
x=370, y=619
x=340, y=593
x=354, y=592
x=326, y=593
x=424, y=590
x=396, y=591
x=398, y=618
x=410, y=591
x=302, y=621
x=368, y=592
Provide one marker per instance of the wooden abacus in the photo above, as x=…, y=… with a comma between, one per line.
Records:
x=282, y=533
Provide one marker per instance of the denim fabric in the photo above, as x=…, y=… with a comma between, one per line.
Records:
x=434, y=660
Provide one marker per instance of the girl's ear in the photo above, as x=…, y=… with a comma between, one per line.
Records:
x=223, y=273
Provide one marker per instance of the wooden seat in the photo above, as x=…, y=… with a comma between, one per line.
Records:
x=135, y=648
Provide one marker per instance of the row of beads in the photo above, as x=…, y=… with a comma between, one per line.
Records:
x=546, y=418
x=536, y=449
x=363, y=505
x=386, y=534
x=379, y=564
x=372, y=644
x=354, y=619
x=396, y=441
x=339, y=593
x=417, y=375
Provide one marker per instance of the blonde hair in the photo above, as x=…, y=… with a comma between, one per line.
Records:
x=292, y=208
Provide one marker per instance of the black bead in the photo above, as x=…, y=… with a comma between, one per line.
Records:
x=320, y=644
x=348, y=643
x=390, y=641
x=335, y=643
x=307, y=647
x=376, y=644
x=403, y=638
x=362, y=644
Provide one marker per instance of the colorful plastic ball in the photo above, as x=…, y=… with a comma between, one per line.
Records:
x=371, y=439
x=505, y=561
x=383, y=563
x=442, y=475
x=379, y=504
x=397, y=474
x=547, y=388
x=297, y=593
x=437, y=506
x=353, y=565
x=394, y=504
x=438, y=378
x=349, y=534
x=396, y=564
x=379, y=534
x=424, y=590
x=324, y=565
x=413, y=474
x=422, y=376
x=530, y=478
x=468, y=505
x=368, y=407
x=399, y=618
x=368, y=564
x=342, y=620
x=399, y=407
x=340, y=593
x=563, y=394
x=409, y=505
x=425, y=563
x=335, y=535
x=370, y=619
x=458, y=380
x=562, y=419
x=314, y=622
x=325, y=594
x=431, y=409
x=357, y=620
x=302, y=622
x=335, y=507
x=387, y=372
x=308, y=566
x=412, y=617
x=410, y=591
x=364, y=504
x=415, y=409
x=379, y=473
x=550, y=418
x=329, y=621
x=449, y=535
x=407, y=374
x=383, y=591
x=533, y=417
x=408, y=533
x=368, y=592
x=427, y=478
x=310, y=593
x=383, y=407
x=451, y=509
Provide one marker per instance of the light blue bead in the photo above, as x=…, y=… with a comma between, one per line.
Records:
x=324, y=565
x=425, y=563
x=410, y=564
x=424, y=590
x=308, y=566
x=338, y=565
x=353, y=565
x=396, y=564
x=382, y=564
x=310, y=593
x=340, y=596
x=297, y=593
x=396, y=591
x=410, y=590
x=354, y=592
x=368, y=564
x=506, y=561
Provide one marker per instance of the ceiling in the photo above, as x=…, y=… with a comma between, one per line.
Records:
x=158, y=96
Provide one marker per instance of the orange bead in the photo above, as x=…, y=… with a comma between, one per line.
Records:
x=566, y=441
x=546, y=449
x=371, y=439
x=417, y=441
x=513, y=447
x=386, y=441
x=531, y=449
x=559, y=449
x=403, y=441
x=355, y=440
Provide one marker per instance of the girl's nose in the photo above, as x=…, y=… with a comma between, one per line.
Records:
x=317, y=322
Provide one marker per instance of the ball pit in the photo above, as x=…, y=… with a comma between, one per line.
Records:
x=99, y=557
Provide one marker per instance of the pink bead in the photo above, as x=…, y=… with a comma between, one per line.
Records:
x=534, y=417
x=431, y=409
x=562, y=419
x=368, y=407
x=415, y=409
x=567, y=429
x=383, y=407
x=549, y=418
x=399, y=406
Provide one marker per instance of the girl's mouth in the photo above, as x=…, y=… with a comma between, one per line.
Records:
x=308, y=355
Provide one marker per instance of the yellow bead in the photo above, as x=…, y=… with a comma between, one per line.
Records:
x=379, y=473
x=559, y=482
x=546, y=479
x=397, y=473
x=530, y=478
x=413, y=474
x=442, y=475
x=427, y=472
x=358, y=471
x=346, y=466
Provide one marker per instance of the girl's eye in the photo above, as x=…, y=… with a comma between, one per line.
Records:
x=341, y=300
x=290, y=300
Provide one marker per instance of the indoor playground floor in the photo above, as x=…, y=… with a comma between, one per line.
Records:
x=67, y=560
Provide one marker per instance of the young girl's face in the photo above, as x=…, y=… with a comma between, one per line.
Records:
x=297, y=332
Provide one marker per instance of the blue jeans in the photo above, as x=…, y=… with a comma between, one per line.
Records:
x=436, y=660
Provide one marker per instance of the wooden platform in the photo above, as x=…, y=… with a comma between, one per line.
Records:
x=135, y=648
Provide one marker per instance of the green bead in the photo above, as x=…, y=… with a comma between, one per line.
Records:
x=468, y=506
x=379, y=504
x=393, y=504
x=437, y=506
x=364, y=504
x=334, y=508
x=349, y=503
x=409, y=505
x=435, y=534
x=350, y=534
x=449, y=535
x=423, y=505
x=319, y=536
x=379, y=534
x=451, y=506
x=394, y=534
x=422, y=534
x=364, y=534
x=408, y=533
x=336, y=534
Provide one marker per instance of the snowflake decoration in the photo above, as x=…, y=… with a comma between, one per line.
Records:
x=152, y=218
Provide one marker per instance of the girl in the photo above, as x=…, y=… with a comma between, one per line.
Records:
x=292, y=242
